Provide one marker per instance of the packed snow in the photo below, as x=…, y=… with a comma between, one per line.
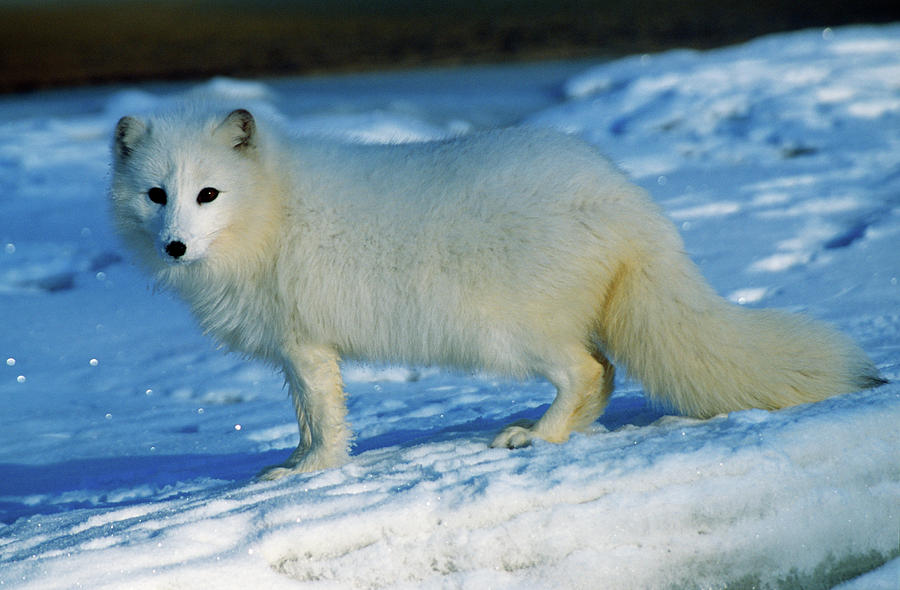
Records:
x=129, y=442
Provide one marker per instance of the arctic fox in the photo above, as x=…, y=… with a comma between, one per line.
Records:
x=517, y=251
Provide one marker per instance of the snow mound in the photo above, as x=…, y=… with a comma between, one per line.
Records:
x=130, y=442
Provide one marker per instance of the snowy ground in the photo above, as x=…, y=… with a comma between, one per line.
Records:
x=128, y=442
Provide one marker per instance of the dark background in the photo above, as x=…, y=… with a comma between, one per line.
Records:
x=70, y=42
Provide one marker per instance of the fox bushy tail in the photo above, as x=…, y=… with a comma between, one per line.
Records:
x=699, y=353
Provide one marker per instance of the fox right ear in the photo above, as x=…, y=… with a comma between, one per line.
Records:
x=128, y=131
x=239, y=128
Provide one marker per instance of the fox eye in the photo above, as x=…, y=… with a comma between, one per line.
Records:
x=207, y=195
x=157, y=195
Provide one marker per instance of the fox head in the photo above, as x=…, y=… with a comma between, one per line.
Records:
x=179, y=182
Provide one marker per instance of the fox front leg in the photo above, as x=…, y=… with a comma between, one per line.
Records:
x=314, y=379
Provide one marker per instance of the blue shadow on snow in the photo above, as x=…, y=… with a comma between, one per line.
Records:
x=27, y=490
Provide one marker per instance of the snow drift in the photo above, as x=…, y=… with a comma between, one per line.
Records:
x=129, y=442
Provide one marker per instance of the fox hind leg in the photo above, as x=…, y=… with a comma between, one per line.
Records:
x=583, y=391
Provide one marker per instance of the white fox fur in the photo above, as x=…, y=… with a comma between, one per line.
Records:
x=520, y=251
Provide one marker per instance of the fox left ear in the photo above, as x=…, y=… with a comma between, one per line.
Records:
x=240, y=129
x=128, y=131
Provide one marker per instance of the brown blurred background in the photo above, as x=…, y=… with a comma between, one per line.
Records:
x=74, y=42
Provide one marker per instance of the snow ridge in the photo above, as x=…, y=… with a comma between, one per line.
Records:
x=129, y=441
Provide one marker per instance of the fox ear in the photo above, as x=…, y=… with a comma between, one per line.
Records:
x=239, y=128
x=128, y=131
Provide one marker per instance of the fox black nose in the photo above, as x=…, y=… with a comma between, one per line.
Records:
x=176, y=249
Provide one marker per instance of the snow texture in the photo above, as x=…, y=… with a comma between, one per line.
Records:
x=129, y=442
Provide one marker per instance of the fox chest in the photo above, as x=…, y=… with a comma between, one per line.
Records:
x=244, y=318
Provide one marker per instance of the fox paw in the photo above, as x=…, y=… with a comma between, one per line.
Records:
x=302, y=463
x=274, y=472
x=516, y=435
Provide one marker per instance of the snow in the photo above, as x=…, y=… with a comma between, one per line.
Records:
x=129, y=441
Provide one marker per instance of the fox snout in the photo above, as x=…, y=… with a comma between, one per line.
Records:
x=176, y=249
